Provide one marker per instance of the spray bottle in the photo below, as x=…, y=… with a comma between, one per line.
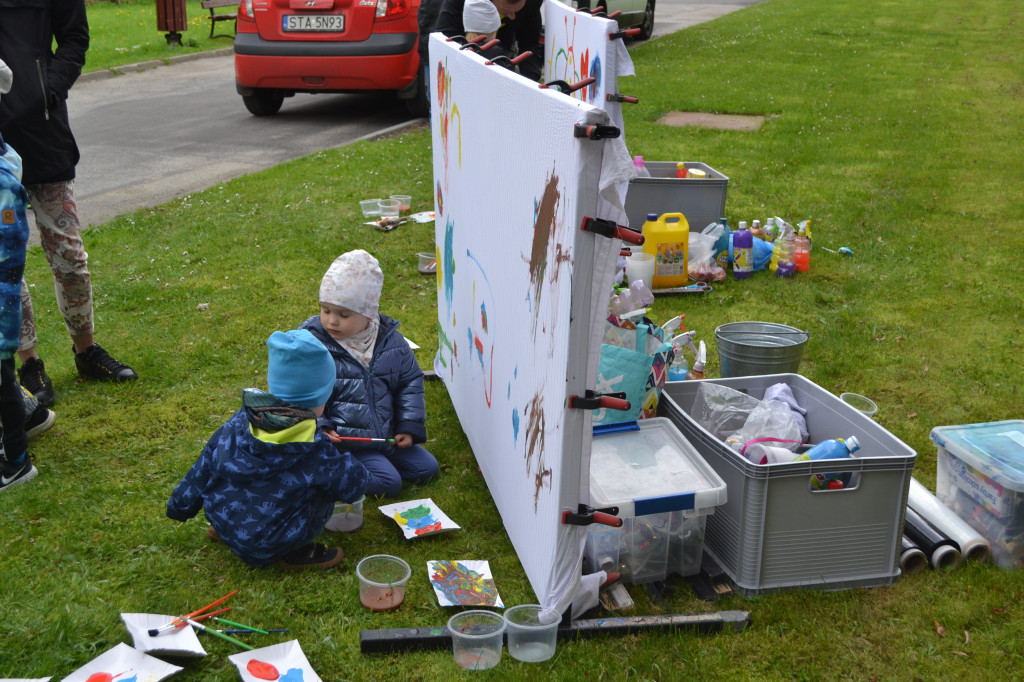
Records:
x=698, y=363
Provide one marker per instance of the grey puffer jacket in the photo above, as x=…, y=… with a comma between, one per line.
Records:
x=377, y=402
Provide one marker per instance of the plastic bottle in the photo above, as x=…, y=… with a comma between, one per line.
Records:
x=786, y=268
x=802, y=251
x=678, y=370
x=743, y=252
x=834, y=448
x=722, y=245
x=698, y=363
x=778, y=245
x=756, y=230
x=641, y=170
x=667, y=238
x=770, y=231
x=680, y=170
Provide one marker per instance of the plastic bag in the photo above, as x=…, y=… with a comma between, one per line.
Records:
x=701, y=264
x=721, y=410
x=769, y=419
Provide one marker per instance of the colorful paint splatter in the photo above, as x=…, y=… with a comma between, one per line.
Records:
x=420, y=519
x=459, y=584
x=262, y=670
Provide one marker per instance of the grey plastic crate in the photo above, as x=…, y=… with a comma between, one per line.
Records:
x=774, y=532
x=701, y=201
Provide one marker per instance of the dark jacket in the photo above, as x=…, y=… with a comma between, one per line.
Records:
x=266, y=498
x=34, y=114
x=517, y=35
x=13, y=239
x=380, y=401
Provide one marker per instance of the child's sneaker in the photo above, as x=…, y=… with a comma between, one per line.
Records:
x=96, y=363
x=32, y=375
x=313, y=555
x=11, y=475
x=39, y=421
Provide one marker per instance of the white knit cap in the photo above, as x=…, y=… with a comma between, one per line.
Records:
x=353, y=281
x=6, y=78
x=480, y=16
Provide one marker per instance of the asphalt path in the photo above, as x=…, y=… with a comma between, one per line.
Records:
x=166, y=130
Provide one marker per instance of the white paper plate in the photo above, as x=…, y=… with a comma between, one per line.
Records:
x=25, y=679
x=178, y=642
x=124, y=664
x=286, y=659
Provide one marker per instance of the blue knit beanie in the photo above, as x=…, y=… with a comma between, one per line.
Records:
x=300, y=370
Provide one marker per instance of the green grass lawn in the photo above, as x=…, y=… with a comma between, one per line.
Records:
x=893, y=124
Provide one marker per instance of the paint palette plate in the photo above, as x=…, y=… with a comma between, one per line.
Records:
x=463, y=583
x=283, y=662
x=178, y=642
x=418, y=518
x=124, y=664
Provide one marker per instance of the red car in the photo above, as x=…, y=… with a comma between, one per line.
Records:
x=287, y=46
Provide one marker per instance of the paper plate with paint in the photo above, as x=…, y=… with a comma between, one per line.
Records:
x=283, y=662
x=123, y=664
x=463, y=583
x=177, y=642
x=417, y=518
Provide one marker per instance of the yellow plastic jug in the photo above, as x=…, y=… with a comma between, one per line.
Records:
x=668, y=240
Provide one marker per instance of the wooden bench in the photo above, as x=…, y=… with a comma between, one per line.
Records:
x=216, y=14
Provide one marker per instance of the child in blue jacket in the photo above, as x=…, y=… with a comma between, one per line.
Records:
x=378, y=389
x=268, y=479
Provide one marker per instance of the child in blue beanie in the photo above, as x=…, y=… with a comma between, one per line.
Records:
x=378, y=386
x=268, y=479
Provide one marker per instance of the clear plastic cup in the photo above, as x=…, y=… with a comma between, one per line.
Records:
x=640, y=266
x=347, y=517
x=370, y=207
x=477, y=638
x=382, y=580
x=427, y=264
x=860, y=403
x=530, y=639
x=389, y=208
x=404, y=201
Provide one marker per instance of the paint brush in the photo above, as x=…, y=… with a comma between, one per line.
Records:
x=243, y=632
x=181, y=621
x=218, y=633
x=368, y=440
x=248, y=628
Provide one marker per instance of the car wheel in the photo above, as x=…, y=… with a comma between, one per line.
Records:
x=263, y=102
x=419, y=106
x=647, y=27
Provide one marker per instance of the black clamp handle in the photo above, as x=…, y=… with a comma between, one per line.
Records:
x=585, y=516
x=595, y=132
x=621, y=98
x=607, y=228
x=595, y=401
x=624, y=33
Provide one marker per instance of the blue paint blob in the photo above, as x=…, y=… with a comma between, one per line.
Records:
x=515, y=425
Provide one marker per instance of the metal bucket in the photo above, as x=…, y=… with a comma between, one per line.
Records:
x=758, y=348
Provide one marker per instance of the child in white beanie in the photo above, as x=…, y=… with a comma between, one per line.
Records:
x=378, y=387
x=480, y=17
x=268, y=478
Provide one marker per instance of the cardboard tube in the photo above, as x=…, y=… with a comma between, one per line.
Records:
x=973, y=546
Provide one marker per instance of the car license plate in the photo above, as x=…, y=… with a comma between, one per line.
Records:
x=313, y=22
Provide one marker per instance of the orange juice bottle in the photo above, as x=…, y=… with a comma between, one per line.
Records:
x=668, y=240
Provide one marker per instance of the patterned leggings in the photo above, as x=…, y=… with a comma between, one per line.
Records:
x=60, y=235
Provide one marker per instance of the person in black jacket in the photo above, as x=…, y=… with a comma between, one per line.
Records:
x=521, y=29
x=34, y=118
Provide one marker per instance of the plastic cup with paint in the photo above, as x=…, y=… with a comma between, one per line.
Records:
x=864, y=405
x=347, y=517
x=477, y=638
x=370, y=207
x=389, y=208
x=382, y=580
x=640, y=266
x=427, y=263
x=404, y=201
x=531, y=637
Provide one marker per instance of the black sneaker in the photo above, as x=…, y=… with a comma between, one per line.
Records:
x=39, y=421
x=20, y=474
x=32, y=375
x=96, y=363
x=313, y=555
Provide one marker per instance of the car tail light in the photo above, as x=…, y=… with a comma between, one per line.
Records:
x=392, y=9
x=245, y=11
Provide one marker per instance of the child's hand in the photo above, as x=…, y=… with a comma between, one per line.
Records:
x=330, y=433
x=403, y=440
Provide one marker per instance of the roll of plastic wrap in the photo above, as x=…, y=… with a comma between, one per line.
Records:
x=942, y=551
x=973, y=546
x=912, y=559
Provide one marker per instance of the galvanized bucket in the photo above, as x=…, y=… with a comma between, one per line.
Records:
x=758, y=348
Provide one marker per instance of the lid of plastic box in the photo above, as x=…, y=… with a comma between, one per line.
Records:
x=649, y=469
x=996, y=449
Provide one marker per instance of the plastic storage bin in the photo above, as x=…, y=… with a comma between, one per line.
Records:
x=775, y=532
x=981, y=478
x=701, y=201
x=664, y=491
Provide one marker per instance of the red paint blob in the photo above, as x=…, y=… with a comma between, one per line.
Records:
x=261, y=670
x=100, y=677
